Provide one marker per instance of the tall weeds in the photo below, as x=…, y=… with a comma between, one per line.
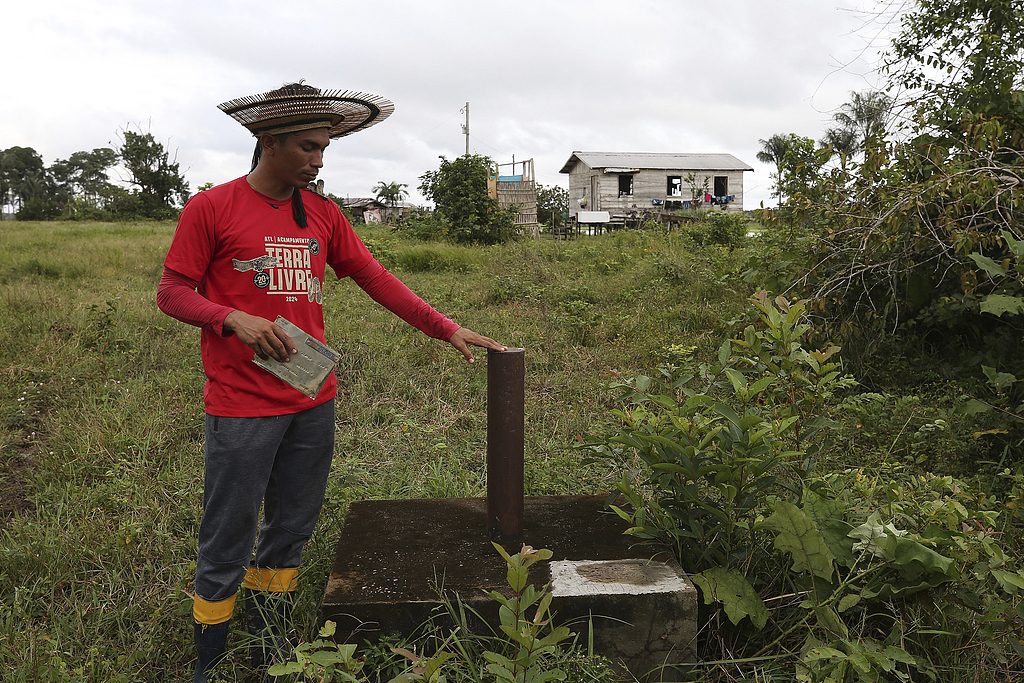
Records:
x=101, y=416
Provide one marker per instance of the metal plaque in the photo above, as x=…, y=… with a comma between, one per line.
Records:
x=309, y=368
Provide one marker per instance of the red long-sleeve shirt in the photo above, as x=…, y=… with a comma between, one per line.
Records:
x=177, y=297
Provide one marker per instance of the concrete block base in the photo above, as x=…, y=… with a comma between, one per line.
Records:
x=397, y=557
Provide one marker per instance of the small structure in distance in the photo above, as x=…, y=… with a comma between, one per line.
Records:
x=367, y=209
x=519, y=190
x=370, y=210
x=648, y=184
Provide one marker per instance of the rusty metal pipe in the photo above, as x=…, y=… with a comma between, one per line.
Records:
x=506, y=374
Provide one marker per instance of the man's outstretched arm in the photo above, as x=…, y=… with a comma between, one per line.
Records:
x=390, y=292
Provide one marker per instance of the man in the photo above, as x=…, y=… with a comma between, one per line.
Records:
x=244, y=253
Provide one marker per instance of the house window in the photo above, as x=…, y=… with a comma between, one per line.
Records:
x=721, y=185
x=675, y=186
x=625, y=184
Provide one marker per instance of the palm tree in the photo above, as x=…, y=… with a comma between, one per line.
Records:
x=843, y=142
x=390, y=194
x=773, y=151
x=864, y=115
x=32, y=187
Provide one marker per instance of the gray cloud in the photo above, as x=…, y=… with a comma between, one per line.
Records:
x=542, y=78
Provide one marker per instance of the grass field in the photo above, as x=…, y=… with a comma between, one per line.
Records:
x=101, y=434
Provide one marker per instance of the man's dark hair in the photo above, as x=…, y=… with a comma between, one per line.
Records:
x=298, y=210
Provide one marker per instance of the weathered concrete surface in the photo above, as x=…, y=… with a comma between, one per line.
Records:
x=396, y=556
x=644, y=610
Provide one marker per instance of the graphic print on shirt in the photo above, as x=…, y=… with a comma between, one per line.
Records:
x=261, y=279
x=285, y=269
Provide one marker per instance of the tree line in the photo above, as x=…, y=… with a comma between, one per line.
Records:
x=904, y=222
x=79, y=187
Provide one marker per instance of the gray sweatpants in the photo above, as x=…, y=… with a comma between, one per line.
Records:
x=280, y=461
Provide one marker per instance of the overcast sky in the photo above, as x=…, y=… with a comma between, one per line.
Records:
x=542, y=78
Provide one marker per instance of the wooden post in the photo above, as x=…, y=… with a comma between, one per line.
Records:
x=506, y=373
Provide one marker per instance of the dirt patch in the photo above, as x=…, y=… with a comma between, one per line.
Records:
x=13, y=491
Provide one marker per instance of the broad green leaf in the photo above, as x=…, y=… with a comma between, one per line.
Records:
x=860, y=662
x=988, y=265
x=728, y=413
x=664, y=401
x=828, y=517
x=284, y=668
x=749, y=421
x=501, y=672
x=507, y=616
x=739, y=382
x=538, y=674
x=797, y=535
x=697, y=401
x=1000, y=380
x=517, y=577
x=848, y=601
x=888, y=590
x=1010, y=581
x=502, y=552
x=737, y=596
x=827, y=618
x=761, y=384
x=435, y=663
x=498, y=659
x=555, y=637
x=973, y=407
x=916, y=560
x=724, y=352
x=542, y=608
x=997, y=304
x=663, y=441
x=868, y=534
x=327, y=657
x=824, y=653
x=1015, y=245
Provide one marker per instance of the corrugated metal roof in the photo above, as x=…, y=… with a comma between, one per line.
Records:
x=657, y=160
x=361, y=202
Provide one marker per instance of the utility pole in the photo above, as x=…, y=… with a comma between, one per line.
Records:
x=465, y=128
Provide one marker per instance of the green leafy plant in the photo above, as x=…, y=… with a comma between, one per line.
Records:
x=425, y=669
x=527, y=663
x=322, y=660
x=850, y=575
x=715, y=440
x=525, y=655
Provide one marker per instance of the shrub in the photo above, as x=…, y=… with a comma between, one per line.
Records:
x=38, y=210
x=459, y=189
x=422, y=225
x=440, y=258
x=725, y=229
x=382, y=250
x=861, y=574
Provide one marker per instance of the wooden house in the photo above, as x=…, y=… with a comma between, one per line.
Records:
x=631, y=183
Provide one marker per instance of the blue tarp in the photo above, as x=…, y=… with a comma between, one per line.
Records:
x=510, y=178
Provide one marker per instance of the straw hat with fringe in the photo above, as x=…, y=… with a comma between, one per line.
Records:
x=296, y=107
